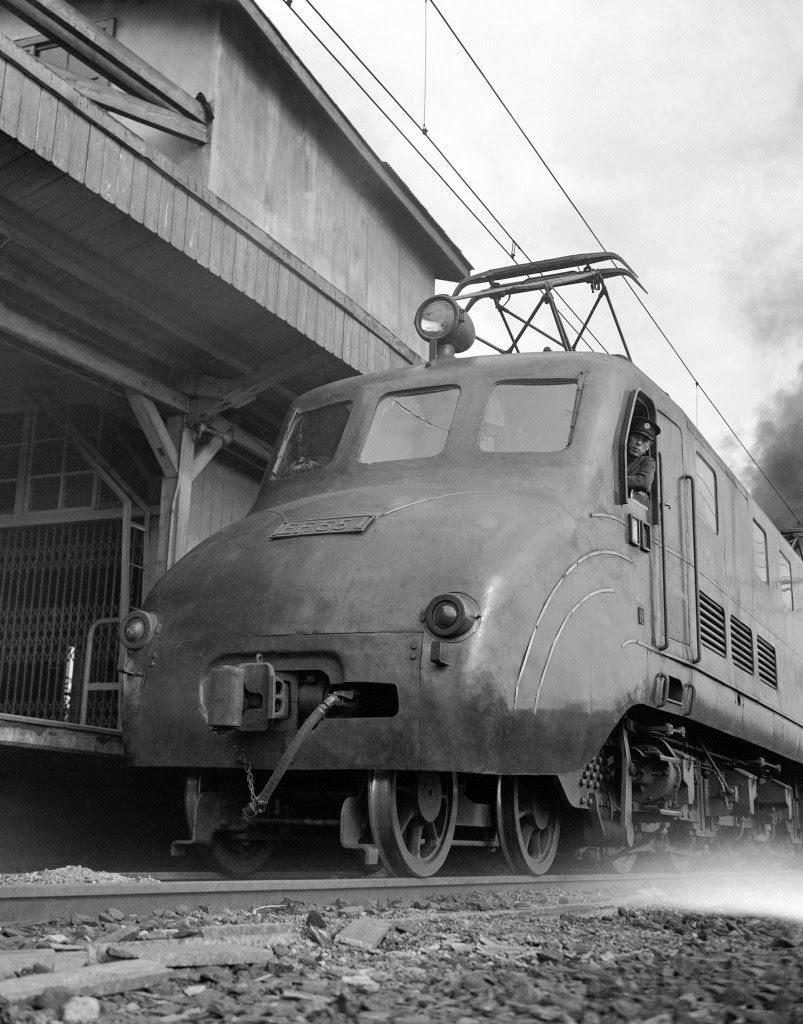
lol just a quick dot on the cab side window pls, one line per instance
(707, 494)
(639, 456)
(760, 563)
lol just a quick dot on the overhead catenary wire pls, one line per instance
(596, 237)
(426, 68)
(395, 100)
(514, 244)
(389, 119)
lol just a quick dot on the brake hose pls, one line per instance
(259, 804)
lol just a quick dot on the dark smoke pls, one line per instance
(772, 306)
(778, 449)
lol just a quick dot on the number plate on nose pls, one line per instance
(313, 527)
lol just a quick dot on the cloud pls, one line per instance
(773, 303)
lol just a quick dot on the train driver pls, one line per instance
(640, 463)
(307, 448)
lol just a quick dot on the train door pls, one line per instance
(671, 561)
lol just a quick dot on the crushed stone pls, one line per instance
(466, 959)
(72, 875)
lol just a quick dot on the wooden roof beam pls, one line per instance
(54, 345)
(74, 259)
(158, 437)
(60, 21)
(111, 477)
(155, 431)
(267, 377)
(140, 110)
(44, 338)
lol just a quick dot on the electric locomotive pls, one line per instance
(448, 621)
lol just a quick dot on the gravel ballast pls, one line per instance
(532, 955)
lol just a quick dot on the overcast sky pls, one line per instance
(676, 129)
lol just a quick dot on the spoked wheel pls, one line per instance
(239, 855)
(413, 817)
(528, 821)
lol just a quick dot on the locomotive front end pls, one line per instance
(381, 635)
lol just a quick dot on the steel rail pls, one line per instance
(29, 903)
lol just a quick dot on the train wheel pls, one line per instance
(528, 822)
(239, 856)
(413, 817)
(235, 854)
(622, 861)
(192, 790)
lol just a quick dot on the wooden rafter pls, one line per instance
(140, 110)
(158, 437)
(73, 258)
(110, 475)
(59, 21)
(56, 344)
(266, 377)
(155, 431)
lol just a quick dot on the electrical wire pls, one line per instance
(389, 119)
(596, 237)
(514, 244)
(426, 68)
(420, 127)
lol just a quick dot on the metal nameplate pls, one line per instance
(316, 527)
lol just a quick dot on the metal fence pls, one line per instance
(60, 590)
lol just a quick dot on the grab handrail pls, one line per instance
(87, 685)
(662, 646)
(698, 650)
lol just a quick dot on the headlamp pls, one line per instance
(450, 615)
(137, 629)
(445, 325)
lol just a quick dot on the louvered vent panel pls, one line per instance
(712, 625)
(742, 646)
(767, 664)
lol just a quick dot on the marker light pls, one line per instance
(441, 321)
(445, 614)
(450, 615)
(137, 629)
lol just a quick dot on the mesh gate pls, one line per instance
(56, 581)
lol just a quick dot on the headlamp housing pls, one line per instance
(445, 325)
(138, 628)
(450, 615)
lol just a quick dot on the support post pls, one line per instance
(183, 497)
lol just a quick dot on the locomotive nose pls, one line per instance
(425, 623)
(359, 561)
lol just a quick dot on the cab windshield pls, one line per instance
(529, 416)
(312, 440)
(410, 425)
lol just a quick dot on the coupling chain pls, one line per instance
(249, 775)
